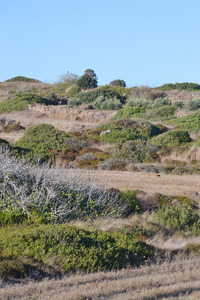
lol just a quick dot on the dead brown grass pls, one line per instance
(150, 183)
(158, 281)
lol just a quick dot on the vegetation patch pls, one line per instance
(69, 249)
(129, 112)
(190, 122)
(89, 97)
(123, 130)
(162, 113)
(187, 86)
(22, 79)
(139, 151)
(19, 101)
(172, 138)
(39, 141)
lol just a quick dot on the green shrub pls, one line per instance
(129, 112)
(22, 79)
(69, 249)
(125, 129)
(104, 103)
(139, 151)
(190, 122)
(158, 102)
(162, 113)
(118, 82)
(73, 91)
(192, 105)
(60, 89)
(19, 101)
(178, 217)
(180, 86)
(138, 102)
(172, 138)
(89, 97)
(130, 199)
(39, 141)
(179, 104)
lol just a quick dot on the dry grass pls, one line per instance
(158, 281)
(150, 183)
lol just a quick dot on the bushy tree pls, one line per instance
(88, 80)
(118, 82)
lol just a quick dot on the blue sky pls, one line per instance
(146, 42)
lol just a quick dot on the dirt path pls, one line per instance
(186, 185)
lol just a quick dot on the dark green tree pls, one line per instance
(88, 80)
(118, 82)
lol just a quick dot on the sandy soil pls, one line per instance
(187, 185)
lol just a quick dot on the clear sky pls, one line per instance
(144, 42)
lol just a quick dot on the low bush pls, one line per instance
(179, 104)
(138, 151)
(188, 86)
(172, 138)
(178, 217)
(104, 103)
(89, 97)
(162, 113)
(158, 102)
(69, 249)
(19, 101)
(22, 79)
(123, 130)
(129, 112)
(190, 122)
(193, 104)
(138, 102)
(39, 141)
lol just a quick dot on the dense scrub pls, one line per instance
(162, 113)
(40, 141)
(129, 112)
(19, 101)
(188, 86)
(108, 94)
(190, 122)
(68, 249)
(125, 129)
(172, 138)
(22, 79)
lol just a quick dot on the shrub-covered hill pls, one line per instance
(125, 129)
(42, 140)
(22, 79)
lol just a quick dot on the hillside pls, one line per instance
(103, 179)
